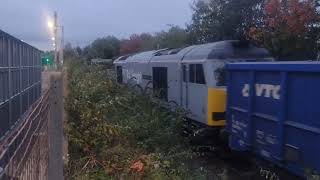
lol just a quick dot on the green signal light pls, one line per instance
(47, 60)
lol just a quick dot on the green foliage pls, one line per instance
(104, 48)
(111, 47)
(69, 51)
(216, 20)
(116, 134)
(288, 29)
(175, 37)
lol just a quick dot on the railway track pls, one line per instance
(220, 163)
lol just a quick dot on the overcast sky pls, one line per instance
(86, 20)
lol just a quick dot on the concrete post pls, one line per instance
(55, 128)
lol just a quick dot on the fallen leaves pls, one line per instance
(137, 166)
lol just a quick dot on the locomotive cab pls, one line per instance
(119, 63)
(204, 78)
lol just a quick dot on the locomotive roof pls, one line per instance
(172, 54)
(231, 49)
(143, 56)
(122, 58)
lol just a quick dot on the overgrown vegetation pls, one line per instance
(117, 134)
(289, 29)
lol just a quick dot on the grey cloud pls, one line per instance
(85, 20)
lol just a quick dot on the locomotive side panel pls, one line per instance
(173, 80)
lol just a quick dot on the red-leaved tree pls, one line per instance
(289, 29)
(137, 43)
(131, 45)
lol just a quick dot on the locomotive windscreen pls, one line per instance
(239, 50)
(220, 75)
(231, 49)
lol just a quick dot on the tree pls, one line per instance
(136, 43)
(78, 51)
(175, 37)
(68, 51)
(104, 48)
(131, 45)
(147, 42)
(216, 20)
(289, 29)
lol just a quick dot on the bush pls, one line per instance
(117, 134)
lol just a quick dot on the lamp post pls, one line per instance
(61, 46)
(58, 56)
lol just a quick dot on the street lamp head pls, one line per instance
(52, 38)
(50, 24)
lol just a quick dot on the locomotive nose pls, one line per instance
(217, 98)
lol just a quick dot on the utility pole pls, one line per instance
(61, 59)
(57, 43)
(55, 35)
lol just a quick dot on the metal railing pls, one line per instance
(20, 80)
(25, 151)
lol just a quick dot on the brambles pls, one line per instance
(117, 134)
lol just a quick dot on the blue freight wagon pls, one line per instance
(273, 111)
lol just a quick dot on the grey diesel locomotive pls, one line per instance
(192, 78)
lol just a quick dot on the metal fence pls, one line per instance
(20, 81)
(24, 153)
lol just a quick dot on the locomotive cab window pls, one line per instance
(196, 74)
(220, 76)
